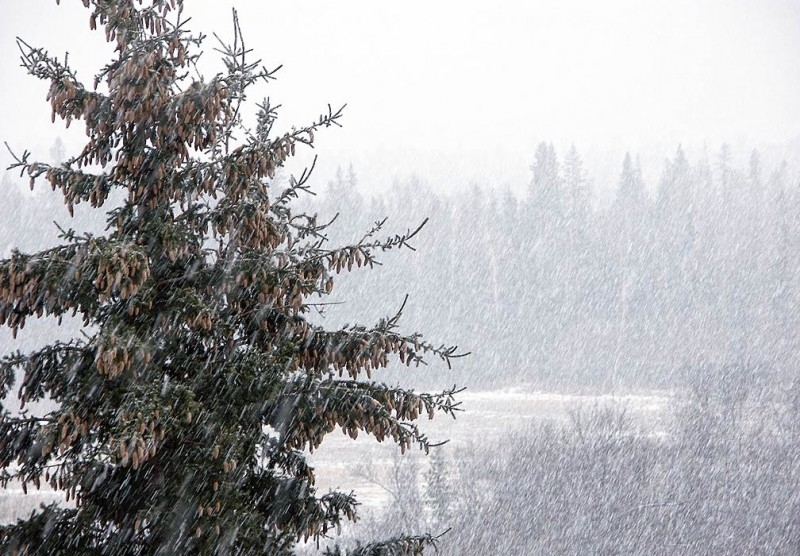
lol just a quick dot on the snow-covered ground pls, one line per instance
(14, 504)
(358, 465)
(347, 464)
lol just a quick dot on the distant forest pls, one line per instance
(701, 270)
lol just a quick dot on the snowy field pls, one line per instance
(357, 465)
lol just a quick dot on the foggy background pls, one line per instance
(547, 255)
(462, 91)
(614, 200)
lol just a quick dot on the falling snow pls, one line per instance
(208, 348)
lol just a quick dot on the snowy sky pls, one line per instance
(465, 90)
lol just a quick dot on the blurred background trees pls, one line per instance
(554, 289)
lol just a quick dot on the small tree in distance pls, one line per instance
(183, 410)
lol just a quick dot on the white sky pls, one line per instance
(463, 91)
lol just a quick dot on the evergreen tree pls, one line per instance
(546, 195)
(630, 192)
(473, 268)
(575, 265)
(545, 293)
(439, 494)
(344, 202)
(182, 411)
(781, 262)
(628, 237)
(676, 232)
(629, 213)
(57, 151)
(578, 195)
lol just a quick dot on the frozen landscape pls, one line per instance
(481, 280)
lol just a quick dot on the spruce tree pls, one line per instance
(183, 409)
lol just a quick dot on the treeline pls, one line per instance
(549, 289)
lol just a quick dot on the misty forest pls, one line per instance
(197, 328)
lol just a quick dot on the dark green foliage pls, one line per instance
(397, 546)
(183, 410)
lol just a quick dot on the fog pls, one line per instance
(459, 91)
(611, 194)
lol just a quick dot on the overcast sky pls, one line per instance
(465, 90)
